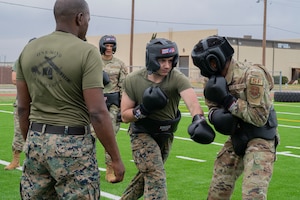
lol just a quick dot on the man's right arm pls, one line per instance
(102, 125)
(13, 77)
(23, 106)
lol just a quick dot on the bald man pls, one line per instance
(60, 94)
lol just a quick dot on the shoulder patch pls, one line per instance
(254, 92)
(256, 81)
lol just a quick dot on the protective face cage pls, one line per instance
(160, 48)
(107, 39)
(214, 49)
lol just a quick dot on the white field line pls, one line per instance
(288, 153)
(287, 113)
(4, 111)
(292, 147)
(192, 159)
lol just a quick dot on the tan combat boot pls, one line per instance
(110, 175)
(15, 161)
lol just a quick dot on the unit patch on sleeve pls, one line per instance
(254, 92)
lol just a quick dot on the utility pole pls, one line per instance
(264, 40)
(131, 36)
(264, 34)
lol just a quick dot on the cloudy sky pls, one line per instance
(22, 20)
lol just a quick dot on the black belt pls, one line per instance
(39, 127)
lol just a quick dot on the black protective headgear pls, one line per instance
(107, 39)
(212, 48)
(160, 48)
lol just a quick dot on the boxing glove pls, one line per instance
(200, 131)
(106, 79)
(223, 121)
(216, 90)
(153, 99)
(119, 117)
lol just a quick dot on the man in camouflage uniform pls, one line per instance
(18, 140)
(116, 71)
(240, 105)
(60, 93)
(150, 103)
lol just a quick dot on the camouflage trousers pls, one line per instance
(18, 140)
(256, 164)
(59, 166)
(149, 157)
(113, 112)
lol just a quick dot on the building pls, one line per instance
(282, 57)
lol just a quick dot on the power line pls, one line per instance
(274, 27)
(162, 22)
(22, 5)
(140, 20)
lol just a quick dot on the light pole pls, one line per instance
(264, 42)
(264, 34)
(131, 35)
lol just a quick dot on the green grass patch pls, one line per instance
(186, 179)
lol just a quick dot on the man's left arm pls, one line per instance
(256, 108)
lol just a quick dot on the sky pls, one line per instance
(23, 20)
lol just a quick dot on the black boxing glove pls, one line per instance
(216, 90)
(200, 131)
(119, 117)
(153, 99)
(223, 121)
(106, 79)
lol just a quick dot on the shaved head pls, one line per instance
(72, 16)
(67, 9)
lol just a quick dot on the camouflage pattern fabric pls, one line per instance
(117, 73)
(18, 140)
(149, 159)
(64, 162)
(251, 85)
(257, 166)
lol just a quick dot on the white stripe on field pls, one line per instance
(292, 147)
(4, 111)
(286, 126)
(103, 194)
(288, 153)
(192, 159)
(287, 113)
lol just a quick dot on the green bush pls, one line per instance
(284, 79)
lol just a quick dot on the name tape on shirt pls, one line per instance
(256, 81)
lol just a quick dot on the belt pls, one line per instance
(45, 128)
